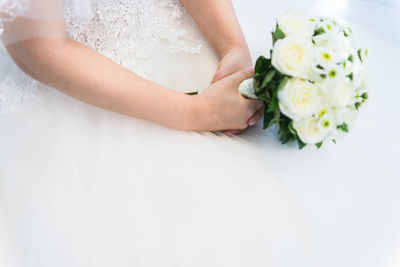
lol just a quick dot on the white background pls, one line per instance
(350, 191)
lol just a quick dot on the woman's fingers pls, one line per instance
(256, 104)
(219, 75)
(242, 75)
(233, 132)
(256, 117)
(253, 106)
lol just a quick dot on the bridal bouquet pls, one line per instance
(314, 82)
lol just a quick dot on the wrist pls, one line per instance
(195, 113)
(239, 48)
(190, 112)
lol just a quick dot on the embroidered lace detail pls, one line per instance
(129, 30)
(15, 89)
(10, 9)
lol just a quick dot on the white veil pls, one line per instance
(26, 19)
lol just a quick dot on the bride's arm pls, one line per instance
(217, 20)
(88, 76)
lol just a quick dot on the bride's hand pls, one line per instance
(221, 106)
(233, 61)
(236, 59)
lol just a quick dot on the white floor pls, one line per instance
(350, 191)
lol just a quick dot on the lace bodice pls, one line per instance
(121, 29)
(126, 31)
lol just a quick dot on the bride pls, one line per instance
(105, 161)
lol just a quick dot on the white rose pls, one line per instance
(293, 56)
(339, 94)
(309, 130)
(299, 99)
(296, 24)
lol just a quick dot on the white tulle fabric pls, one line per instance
(81, 186)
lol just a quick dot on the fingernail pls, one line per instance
(251, 69)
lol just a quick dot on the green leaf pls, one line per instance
(343, 127)
(268, 118)
(359, 54)
(263, 98)
(350, 58)
(262, 65)
(268, 78)
(277, 116)
(319, 31)
(286, 135)
(274, 105)
(350, 76)
(256, 86)
(319, 145)
(334, 141)
(300, 143)
(272, 122)
(292, 129)
(277, 34)
(283, 83)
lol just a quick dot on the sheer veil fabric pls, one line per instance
(81, 186)
(23, 19)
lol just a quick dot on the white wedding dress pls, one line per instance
(81, 186)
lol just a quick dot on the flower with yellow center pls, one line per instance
(326, 123)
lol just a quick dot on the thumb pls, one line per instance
(242, 75)
(219, 75)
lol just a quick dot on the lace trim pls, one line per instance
(15, 89)
(10, 9)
